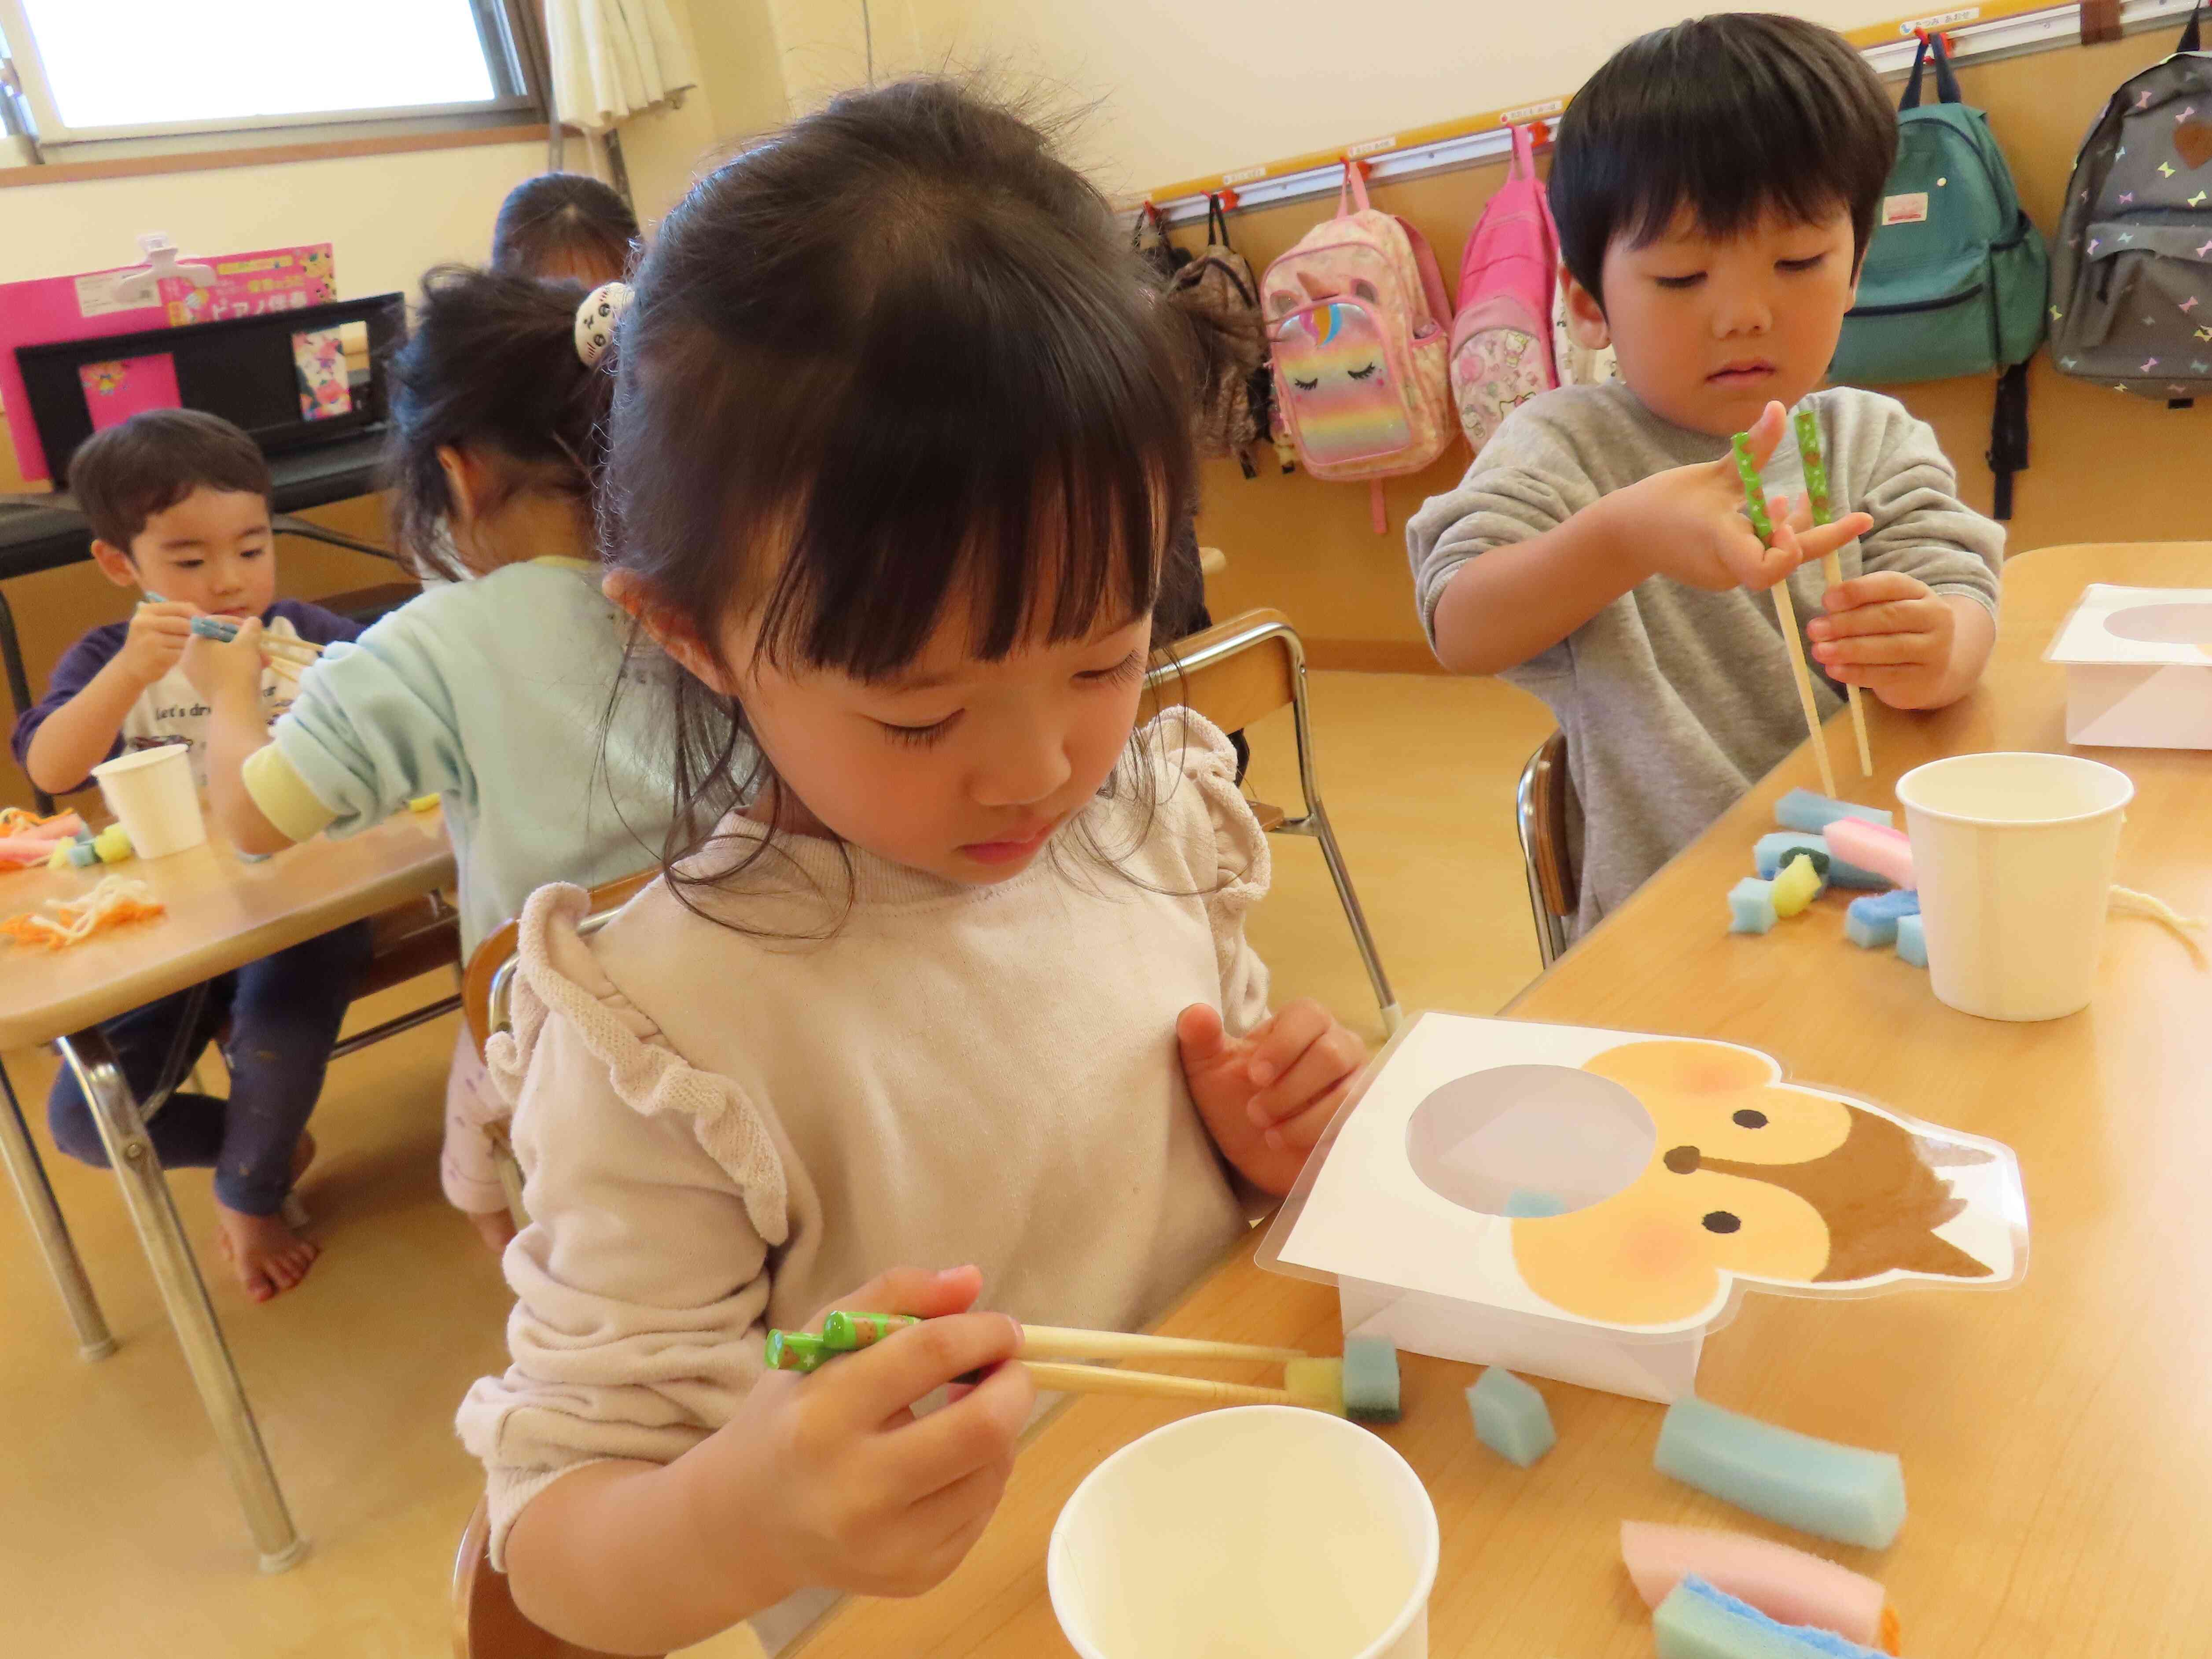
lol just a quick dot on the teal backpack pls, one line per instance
(1957, 278)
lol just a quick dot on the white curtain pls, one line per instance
(613, 58)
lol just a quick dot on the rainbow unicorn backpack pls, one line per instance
(1358, 327)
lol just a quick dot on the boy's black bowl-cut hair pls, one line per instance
(1727, 118)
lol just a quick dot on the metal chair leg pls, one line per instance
(1317, 818)
(20, 1152)
(1316, 824)
(184, 1294)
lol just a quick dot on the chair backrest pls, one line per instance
(1233, 672)
(1554, 886)
(496, 950)
(487, 1625)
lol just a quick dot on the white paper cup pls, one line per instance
(150, 792)
(2013, 854)
(1261, 1532)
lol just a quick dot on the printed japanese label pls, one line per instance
(1947, 20)
(1910, 209)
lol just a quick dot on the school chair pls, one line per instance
(1540, 807)
(487, 1625)
(1233, 673)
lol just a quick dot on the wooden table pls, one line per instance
(222, 914)
(2056, 1438)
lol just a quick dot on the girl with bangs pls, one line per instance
(947, 964)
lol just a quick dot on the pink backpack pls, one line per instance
(1501, 341)
(1356, 327)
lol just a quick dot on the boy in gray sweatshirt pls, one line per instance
(1716, 185)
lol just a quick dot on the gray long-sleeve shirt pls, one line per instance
(1675, 700)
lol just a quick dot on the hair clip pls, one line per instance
(596, 318)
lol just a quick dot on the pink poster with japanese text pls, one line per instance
(53, 308)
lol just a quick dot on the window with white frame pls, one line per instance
(101, 71)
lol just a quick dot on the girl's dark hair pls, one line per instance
(490, 366)
(566, 225)
(1727, 116)
(897, 359)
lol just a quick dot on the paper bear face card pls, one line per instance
(1635, 1184)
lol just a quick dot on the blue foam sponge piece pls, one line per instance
(1526, 1204)
(1511, 1418)
(1843, 1492)
(1751, 906)
(1779, 845)
(1872, 920)
(1697, 1621)
(1801, 809)
(1912, 940)
(1370, 1379)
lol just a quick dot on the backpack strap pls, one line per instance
(1217, 221)
(2007, 452)
(2190, 36)
(1353, 190)
(1523, 164)
(1947, 84)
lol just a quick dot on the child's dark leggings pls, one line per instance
(284, 1012)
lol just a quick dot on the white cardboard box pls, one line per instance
(2138, 667)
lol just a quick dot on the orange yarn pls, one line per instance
(116, 903)
(1892, 1634)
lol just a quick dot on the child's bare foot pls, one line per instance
(268, 1257)
(494, 1227)
(263, 1250)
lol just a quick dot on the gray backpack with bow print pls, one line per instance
(2132, 276)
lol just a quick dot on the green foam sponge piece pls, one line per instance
(1843, 1492)
(1370, 1379)
(1796, 886)
(1697, 1621)
(1511, 1418)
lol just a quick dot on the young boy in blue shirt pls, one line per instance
(178, 504)
(1716, 185)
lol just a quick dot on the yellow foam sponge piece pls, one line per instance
(1795, 885)
(111, 844)
(1316, 1383)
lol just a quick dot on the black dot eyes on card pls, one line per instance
(1748, 1119)
(1720, 1221)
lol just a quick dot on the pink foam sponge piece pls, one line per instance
(1875, 847)
(1785, 1585)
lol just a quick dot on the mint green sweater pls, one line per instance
(494, 694)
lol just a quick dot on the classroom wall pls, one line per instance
(1185, 89)
(2106, 466)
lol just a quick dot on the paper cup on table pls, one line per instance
(2013, 854)
(150, 792)
(1261, 1532)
